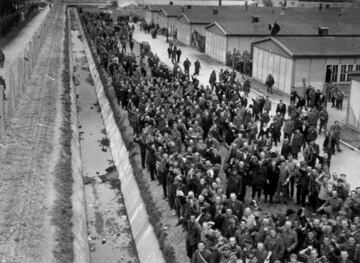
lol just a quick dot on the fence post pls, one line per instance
(2, 112)
(12, 87)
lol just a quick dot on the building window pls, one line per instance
(349, 69)
(343, 73)
(344, 69)
(357, 67)
(334, 72)
(331, 74)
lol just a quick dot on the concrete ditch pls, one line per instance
(109, 232)
(145, 239)
(80, 243)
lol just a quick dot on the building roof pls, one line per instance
(204, 14)
(154, 8)
(171, 10)
(320, 46)
(292, 21)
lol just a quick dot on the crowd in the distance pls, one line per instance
(215, 153)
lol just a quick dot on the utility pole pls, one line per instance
(2, 112)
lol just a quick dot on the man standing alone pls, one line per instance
(187, 65)
(178, 55)
(269, 83)
(197, 67)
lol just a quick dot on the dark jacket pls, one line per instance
(286, 150)
(258, 176)
(272, 178)
(296, 142)
(281, 109)
(151, 157)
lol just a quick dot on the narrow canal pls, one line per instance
(109, 233)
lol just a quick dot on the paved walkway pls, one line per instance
(344, 162)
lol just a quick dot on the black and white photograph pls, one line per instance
(179, 131)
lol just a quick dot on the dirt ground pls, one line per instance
(28, 155)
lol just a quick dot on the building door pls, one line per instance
(171, 30)
(328, 74)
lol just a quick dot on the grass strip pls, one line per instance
(151, 206)
(62, 211)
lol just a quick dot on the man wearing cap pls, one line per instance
(202, 254)
(275, 245)
(235, 250)
(197, 67)
(290, 238)
(343, 193)
(151, 158)
(272, 178)
(187, 65)
(244, 155)
(296, 142)
(346, 184)
(242, 235)
(269, 83)
(260, 254)
(336, 128)
(343, 232)
(281, 108)
(333, 204)
(310, 255)
(234, 181)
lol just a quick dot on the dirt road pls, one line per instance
(28, 156)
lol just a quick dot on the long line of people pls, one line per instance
(209, 147)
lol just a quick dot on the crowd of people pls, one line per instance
(153, 29)
(215, 154)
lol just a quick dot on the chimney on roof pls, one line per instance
(215, 12)
(323, 31)
(189, 7)
(339, 14)
(255, 19)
